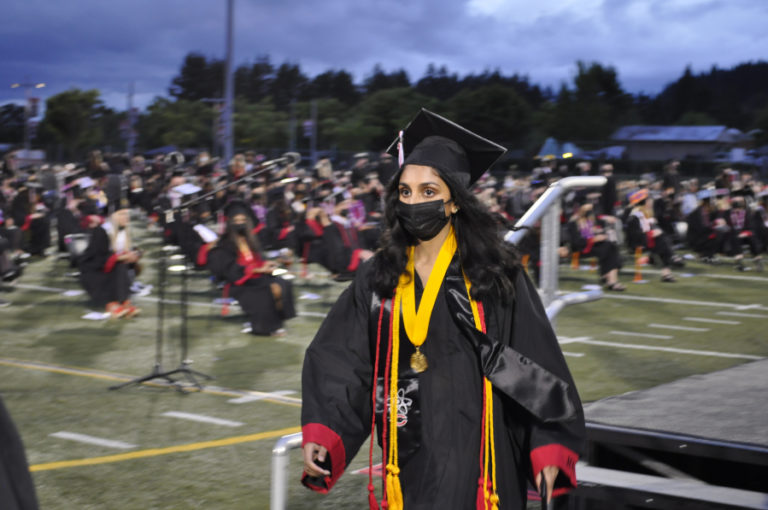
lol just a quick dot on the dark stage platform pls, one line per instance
(700, 442)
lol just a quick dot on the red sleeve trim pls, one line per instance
(248, 272)
(322, 435)
(555, 455)
(258, 228)
(354, 261)
(111, 261)
(202, 255)
(316, 227)
(27, 223)
(283, 233)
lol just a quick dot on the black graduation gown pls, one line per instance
(17, 490)
(254, 293)
(439, 443)
(104, 278)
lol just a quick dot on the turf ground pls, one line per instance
(56, 368)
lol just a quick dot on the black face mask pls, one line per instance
(240, 228)
(423, 221)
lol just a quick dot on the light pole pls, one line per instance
(229, 87)
(217, 122)
(27, 87)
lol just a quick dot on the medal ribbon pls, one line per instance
(417, 323)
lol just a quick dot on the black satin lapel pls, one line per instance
(532, 386)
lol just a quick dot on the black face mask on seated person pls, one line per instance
(423, 221)
(240, 228)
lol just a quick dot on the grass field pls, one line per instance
(56, 368)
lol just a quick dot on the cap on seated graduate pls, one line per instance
(239, 206)
(432, 140)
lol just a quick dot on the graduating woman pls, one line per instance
(237, 260)
(441, 341)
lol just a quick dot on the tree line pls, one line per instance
(273, 101)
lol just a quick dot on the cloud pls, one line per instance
(109, 45)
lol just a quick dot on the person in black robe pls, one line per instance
(743, 232)
(588, 236)
(17, 490)
(267, 300)
(109, 264)
(643, 232)
(704, 236)
(489, 360)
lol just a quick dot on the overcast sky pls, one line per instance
(109, 44)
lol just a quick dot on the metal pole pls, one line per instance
(279, 486)
(26, 121)
(550, 242)
(313, 139)
(229, 87)
(131, 141)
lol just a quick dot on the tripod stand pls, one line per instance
(183, 368)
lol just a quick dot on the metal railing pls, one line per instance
(280, 457)
(547, 209)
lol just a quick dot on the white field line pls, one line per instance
(704, 275)
(98, 441)
(643, 335)
(573, 354)
(569, 340)
(261, 396)
(711, 321)
(670, 349)
(748, 315)
(717, 304)
(202, 419)
(680, 328)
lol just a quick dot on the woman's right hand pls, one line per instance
(314, 452)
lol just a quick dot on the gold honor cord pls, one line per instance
(417, 323)
(490, 498)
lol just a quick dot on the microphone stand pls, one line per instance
(183, 368)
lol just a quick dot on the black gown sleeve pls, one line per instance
(560, 442)
(98, 255)
(222, 262)
(336, 383)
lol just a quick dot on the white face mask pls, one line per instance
(203, 160)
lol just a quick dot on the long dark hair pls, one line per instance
(489, 262)
(230, 236)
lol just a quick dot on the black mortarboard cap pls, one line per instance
(435, 141)
(239, 206)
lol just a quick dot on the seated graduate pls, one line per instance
(643, 232)
(442, 345)
(706, 228)
(589, 237)
(743, 232)
(110, 263)
(237, 259)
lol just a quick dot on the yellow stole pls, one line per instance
(416, 326)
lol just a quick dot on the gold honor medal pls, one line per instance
(418, 361)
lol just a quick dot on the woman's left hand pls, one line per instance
(550, 472)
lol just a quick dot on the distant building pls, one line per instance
(662, 143)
